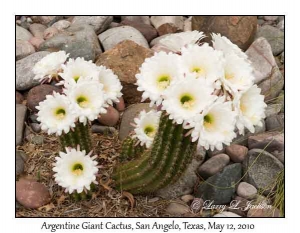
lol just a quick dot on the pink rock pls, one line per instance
(32, 194)
(158, 48)
(121, 105)
(50, 32)
(110, 118)
(36, 42)
(37, 29)
(237, 153)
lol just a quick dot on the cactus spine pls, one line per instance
(163, 164)
(80, 136)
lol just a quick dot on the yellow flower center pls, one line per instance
(76, 77)
(197, 69)
(229, 75)
(77, 169)
(149, 131)
(243, 107)
(60, 113)
(187, 101)
(163, 81)
(82, 101)
(208, 121)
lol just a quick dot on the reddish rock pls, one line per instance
(239, 29)
(147, 30)
(167, 28)
(36, 42)
(237, 153)
(32, 194)
(38, 94)
(19, 98)
(125, 60)
(120, 106)
(110, 118)
(269, 141)
(50, 32)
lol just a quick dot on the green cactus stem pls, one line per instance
(131, 149)
(84, 195)
(162, 164)
(79, 136)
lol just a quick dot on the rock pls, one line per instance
(227, 214)
(168, 28)
(262, 59)
(32, 194)
(279, 155)
(46, 20)
(261, 169)
(20, 119)
(35, 127)
(113, 25)
(22, 33)
(228, 178)
(264, 213)
(274, 36)
(186, 182)
(260, 22)
(270, 18)
(110, 38)
(61, 25)
(156, 40)
(128, 117)
(282, 58)
(273, 109)
(280, 25)
(175, 208)
(37, 30)
(50, 32)
(19, 98)
(213, 165)
(238, 206)
(154, 199)
(243, 139)
(148, 31)
(120, 106)
(33, 118)
(100, 129)
(187, 198)
(275, 122)
(269, 141)
(38, 94)
(24, 74)
(187, 24)
(77, 40)
(23, 49)
(158, 48)
(246, 190)
(36, 42)
(20, 159)
(196, 205)
(239, 29)
(237, 153)
(125, 60)
(211, 153)
(35, 139)
(137, 19)
(176, 21)
(280, 100)
(110, 118)
(99, 23)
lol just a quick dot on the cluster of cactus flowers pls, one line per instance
(204, 96)
(86, 93)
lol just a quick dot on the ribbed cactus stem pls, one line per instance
(162, 164)
(80, 135)
(130, 149)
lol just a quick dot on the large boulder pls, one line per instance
(125, 60)
(239, 29)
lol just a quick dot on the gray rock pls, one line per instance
(274, 36)
(100, 129)
(22, 33)
(20, 119)
(99, 23)
(186, 182)
(280, 25)
(213, 165)
(35, 127)
(79, 40)
(280, 100)
(279, 155)
(273, 109)
(227, 214)
(271, 18)
(24, 74)
(227, 179)
(37, 30)
(137, 18)
(35, 139)
(177, 208)
(23, 49)
(20, 159)
(272, 86)
(113, 36)
(61, 24)
(237, 153)
(261, 169)
(269, 141)
(275, 122)
(33, 118)
(158, 21)
(262, 59)
(246, 190)
(46, 20)
(129, 114)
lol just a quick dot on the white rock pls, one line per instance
(246, 190)
(261, 56)
(157, 21)
(187, 24)
(62, 24)
(113, 36)
(99, 23)
(22, 33)
(138, 19)
(177, 208)
(226, 214)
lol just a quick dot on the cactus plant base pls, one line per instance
(162, 164)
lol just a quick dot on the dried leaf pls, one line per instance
(61, 199)
(105, 185)
(130, 197)
(47, 207)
